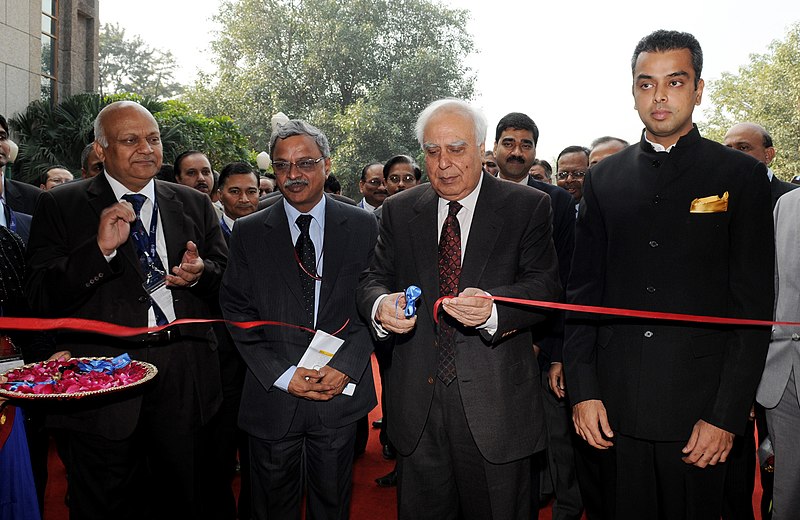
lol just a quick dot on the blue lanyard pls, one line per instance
(148, 244)
(224, 225)
(12, 224)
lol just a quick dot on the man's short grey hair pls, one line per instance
(299, 127)
(453, 105)
(608, 139)
(99, 129)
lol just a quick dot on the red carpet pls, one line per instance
(369, 501)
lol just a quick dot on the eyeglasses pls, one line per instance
(395, 179)
(375, 182)
(575, 175)
(490, 164)
(304, 165)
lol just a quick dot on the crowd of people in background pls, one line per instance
(490, 409)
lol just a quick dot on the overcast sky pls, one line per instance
(564, 63)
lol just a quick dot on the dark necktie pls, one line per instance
(144, 244)
(449, 272)
(306, 266)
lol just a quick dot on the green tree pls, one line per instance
(57, 135)
(360, 70)
(765, 91)
(129, 65)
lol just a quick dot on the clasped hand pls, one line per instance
(317, 385)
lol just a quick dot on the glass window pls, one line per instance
(49, 6)
(49, 81)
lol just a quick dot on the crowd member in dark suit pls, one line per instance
(755, 141)
(301, 427)
(19, 196)
(91, 165)
(238, 194)
(676, 224)
(516, 137)
(541, 171)
(604, 146)
(464, 397)
(93, 254)
(372, 186)
(400, 172)
(571, 167)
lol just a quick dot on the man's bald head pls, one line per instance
(111, 109)
(752, 139)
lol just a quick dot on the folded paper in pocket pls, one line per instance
(712, 204)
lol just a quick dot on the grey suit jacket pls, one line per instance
(262, 240)
(784, 349)
(509, 253)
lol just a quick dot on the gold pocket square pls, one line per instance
(712, 204)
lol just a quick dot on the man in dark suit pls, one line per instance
(103, 249)
(464, 396)
(755, 141)
(516, 137)
(238, 195)
(676, 224)
(17, 199)
(301, 420)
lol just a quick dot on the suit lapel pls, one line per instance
(334, 248)
(279, 246)
(485, 229)
(172, 218)
(425, 248)
(102, 196)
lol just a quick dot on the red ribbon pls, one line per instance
(615, 311)
(112, 329)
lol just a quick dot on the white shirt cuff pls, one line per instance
(379, 331)
(490, 325)
(283, 382)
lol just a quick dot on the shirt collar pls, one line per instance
(470, 201)
(119, 190)
(317, 212)
(228, 221)
(658, 147)
(523, 181)
(770, 173)
(366, 205)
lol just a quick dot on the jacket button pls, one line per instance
(648, 334)
(651, 289)
(653, 243)
(656, 163)
(795, 337)
(430, 380)
(142, 299)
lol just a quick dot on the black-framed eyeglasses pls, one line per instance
(575, 175)
(304, 165)
(395, 179)
(490, 164)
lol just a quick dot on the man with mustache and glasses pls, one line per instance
(571, 167)
(372, 186)
(301, 420)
